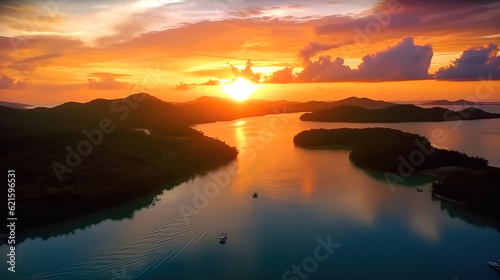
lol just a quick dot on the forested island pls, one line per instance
(396, 113)
(76, 159)
(476, 189)
(400, 154)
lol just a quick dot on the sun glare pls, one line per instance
(240, 89)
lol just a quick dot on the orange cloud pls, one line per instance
(183, 86)
(107, 81)
(7, 82)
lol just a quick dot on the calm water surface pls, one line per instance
(304, 196)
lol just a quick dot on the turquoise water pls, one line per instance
(306, 198)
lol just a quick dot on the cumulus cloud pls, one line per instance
(403, 61)
(107, 81)
(246, 73)
(182, 86)
(7, 82)
(282, 76)
(474, 62)
(211, 82)
(326, 70)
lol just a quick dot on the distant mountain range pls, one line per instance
(396, 113)
(150, 112)
(211, 109)
(462, 102)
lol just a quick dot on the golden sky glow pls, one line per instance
(56, 51)
(240, 89)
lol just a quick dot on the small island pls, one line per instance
(396, 113)
(461, 178)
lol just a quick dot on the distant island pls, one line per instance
(14, 105)
(382, 149)
(460, 102)
(445, 102)
(463, 179)
(76, 159)
(396, 113)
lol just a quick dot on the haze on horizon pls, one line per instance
(56, 51)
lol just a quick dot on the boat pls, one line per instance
(223, 238)
(495, 265)
(448, 199)
(255, 195)
(419, 189)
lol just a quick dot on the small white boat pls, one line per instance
(419, 189)
(223, 238)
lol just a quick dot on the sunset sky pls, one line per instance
(56, 51)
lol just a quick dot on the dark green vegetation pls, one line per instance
(397, 113)
(401, 154)
(75, 159)
(477, 189)
(384, 149)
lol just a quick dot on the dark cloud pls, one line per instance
(314, 48)
(403, 61)
(107, 81)
(468, 21)
(472, 64)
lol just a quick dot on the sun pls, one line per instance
(240, 89)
